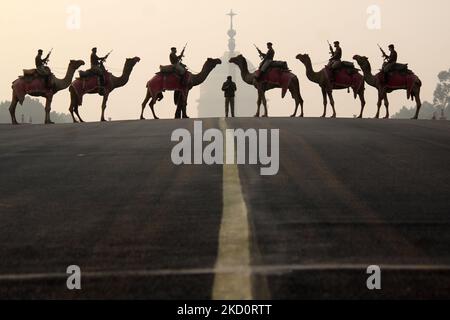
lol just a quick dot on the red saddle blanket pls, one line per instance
(279, 77)
(33, 86)
(169, 81)
(90, 85)
(345, 77)
(398, 80)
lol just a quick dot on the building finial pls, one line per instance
(231, 32)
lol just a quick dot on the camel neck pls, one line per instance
(245, 74)
(123, 79)
(368, 76)
(64, 83)
(310, 73)
(199, 78)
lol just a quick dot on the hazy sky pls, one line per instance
(149, 28)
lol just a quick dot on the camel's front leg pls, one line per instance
(325, 102)
(386, 104)
(380, 100)
(184, 105)
(264, 101)
(144, 104)
(105, 100)
(12, 110)
(418, 104)
(71, 110)
(363, 103)
(330, 95)
(152, 107)
(258, 103)
(48, 106)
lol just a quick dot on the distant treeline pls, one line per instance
(32, 111)
(441, 102)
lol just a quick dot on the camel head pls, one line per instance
(212, 63)
(304, 58)
(132, 61)
(75, 64)
(362, 61)
(238, 60)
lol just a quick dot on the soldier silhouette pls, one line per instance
(41, 67)
(229, 88)
(98, 67)
(267, 58)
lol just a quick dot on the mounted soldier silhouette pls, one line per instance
(41, 82)
(175, 77)
(271, 74)
(97, 80)
(336, 75)
(393, 76)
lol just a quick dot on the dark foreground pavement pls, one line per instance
(106, 197)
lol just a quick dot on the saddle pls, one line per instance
(167, 69)
(400, 67)
(30, 73)
(86, 74)
(280, 65)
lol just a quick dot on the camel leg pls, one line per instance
(184, 105)
(12, 109)
(105, 100)
(71, 109)
(330, 95)
(264, 101)
(48, 105)
(386, 104)
(144, 104)
(301, 102)
(177, 98)
(296, 95)
(363, 103)
(258, 103)
(419, 104)
(325, 102)
(380, 99)
(152, 107)
(77, 113)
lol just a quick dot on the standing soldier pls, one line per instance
(267, 58)
(229, 88)
(97, 66)
(42, 68)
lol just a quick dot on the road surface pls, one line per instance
(106, 197)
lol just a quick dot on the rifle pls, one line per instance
(182, 52)
(106, 57)
(261, 55)
(382, 51)
(47, 58)
(331, 48)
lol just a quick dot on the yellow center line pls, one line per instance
(234, 240)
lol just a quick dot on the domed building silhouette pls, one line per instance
(212, 102)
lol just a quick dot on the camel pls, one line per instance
(343, 80)
(172, 82)
(36, 87)
(274, 78)
(397, 81)
(90, 85)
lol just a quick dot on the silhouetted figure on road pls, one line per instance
(229, 88)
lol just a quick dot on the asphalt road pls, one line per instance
(106, 197)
